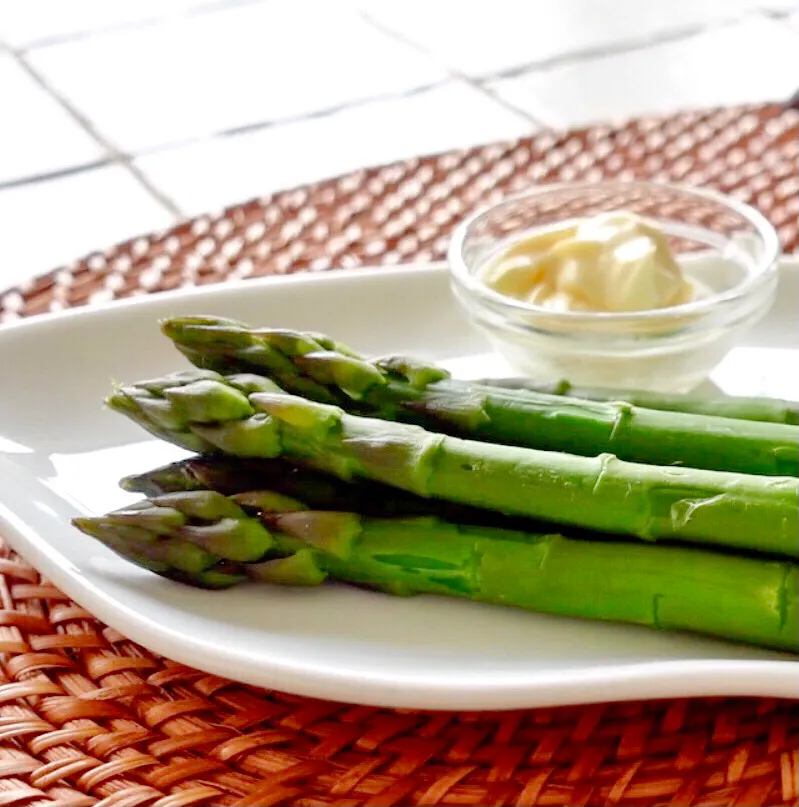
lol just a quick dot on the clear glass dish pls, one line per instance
(725, 245)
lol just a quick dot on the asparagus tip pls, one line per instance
(175, 324)
(354, 375)
(87, 525)
(296, 411)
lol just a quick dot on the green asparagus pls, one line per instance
(212, 541)
(765, 410)
(412, 391)
(605, 494)
(232, 475)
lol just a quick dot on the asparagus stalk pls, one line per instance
(412, 391)
(231, 475)
(765, 410)
(601, 493)
(209, 540)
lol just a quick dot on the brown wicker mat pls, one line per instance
(89, 718)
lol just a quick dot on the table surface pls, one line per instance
(124, 117)
(129, 116)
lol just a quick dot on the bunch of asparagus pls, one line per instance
(313, 462)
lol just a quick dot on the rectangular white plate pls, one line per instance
(61, 454)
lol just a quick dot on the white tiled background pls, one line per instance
(121, 116)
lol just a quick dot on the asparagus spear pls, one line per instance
(231, 475)
(765, 410)
(594, 493)
(408, 390)
(206, 539)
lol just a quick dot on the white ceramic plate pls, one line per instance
(61, 454)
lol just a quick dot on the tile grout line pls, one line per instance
(621, 48)
(124, 158)
(330, 111)
(489, 92)
(16, 182)
(116, 157)
(453, 72)
(211, 7)
(481, 82)
(576, 58)
(572, 57)
(57, 173)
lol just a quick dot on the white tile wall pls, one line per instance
(755, 60)
(480, 38)
(36, 134)
(245, 64)
(26, 22)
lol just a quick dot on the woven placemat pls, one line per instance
(89, 718)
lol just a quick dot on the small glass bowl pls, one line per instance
(726, 246)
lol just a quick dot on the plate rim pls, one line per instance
(224, 288)
(627, 681)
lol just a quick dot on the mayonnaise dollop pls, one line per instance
(612, 262)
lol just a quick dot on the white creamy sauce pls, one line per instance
(612, 262)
